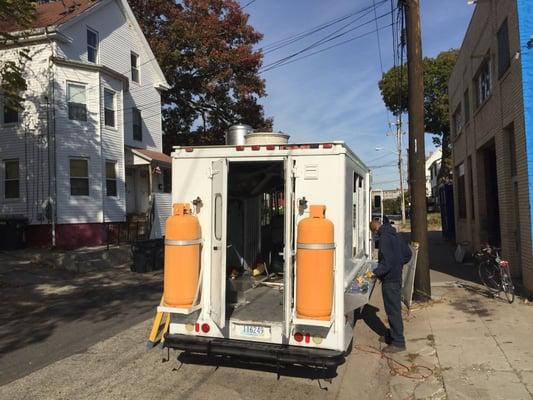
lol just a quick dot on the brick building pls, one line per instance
(491, 114)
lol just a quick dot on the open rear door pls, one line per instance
(219, 186)
(288, 252)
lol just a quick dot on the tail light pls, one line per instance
(205, 328)
(307, 338)
(197, 327)
(298, 337)
(504, 264)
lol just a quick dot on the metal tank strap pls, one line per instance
(316, 246)
(169, 242)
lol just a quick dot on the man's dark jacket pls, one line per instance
(393, 254)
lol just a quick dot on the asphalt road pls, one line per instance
(47, 315)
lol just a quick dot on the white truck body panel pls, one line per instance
(329, 174)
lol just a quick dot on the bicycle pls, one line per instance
(494, 272)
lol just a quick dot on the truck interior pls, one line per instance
(255, 241)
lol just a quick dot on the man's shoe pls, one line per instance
(393, 349)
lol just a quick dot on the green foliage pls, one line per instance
(437, 72)
(20, 14)
(205, 48)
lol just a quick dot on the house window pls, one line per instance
(111, 178)
(10, 112)
(92, 45)
(137, 125)
(167, 180)
(135, 73)
(467, 105)
(77, 102)
(457, 120)
(504, 52)
(109, 107)
(461, 195)
(11, 179)
(79, 177)
(483, 83)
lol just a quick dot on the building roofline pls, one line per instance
(92, 67)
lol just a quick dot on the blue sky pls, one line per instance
(334, 95)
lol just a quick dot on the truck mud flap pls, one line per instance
(267, 352)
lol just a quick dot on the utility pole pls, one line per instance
(400, 167)
(417, 152)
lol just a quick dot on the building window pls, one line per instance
(467, 105)
(109, 107)
(457, 120)
(10, 112)
(77, 102)
(461, 195)
(135, 73)
(79, 177)
(167, 180)
(111, 178)
(11, 179)
(483, 83)
(504, 52)
(137, 125)
(92, 45)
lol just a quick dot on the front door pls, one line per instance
(219, 185)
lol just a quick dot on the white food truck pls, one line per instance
(249, 196)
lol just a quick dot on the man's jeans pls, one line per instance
(392, 299)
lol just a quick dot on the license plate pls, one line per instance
(253, 331)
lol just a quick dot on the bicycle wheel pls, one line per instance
(489, 275)
(507, 285)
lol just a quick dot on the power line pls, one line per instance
(302, 35)
(318, 43)
(247, 4)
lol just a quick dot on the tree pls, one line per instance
(205, 48)
(437, 71)
(19, 13)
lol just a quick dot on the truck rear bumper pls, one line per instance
(267, 352)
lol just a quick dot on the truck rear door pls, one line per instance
(288, 252)
(219, 186)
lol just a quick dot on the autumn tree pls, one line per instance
(18, 13)
(206, 51)
(437, 71)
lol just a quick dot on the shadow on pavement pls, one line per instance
(48, 314)
(369, 315)
(295, 371)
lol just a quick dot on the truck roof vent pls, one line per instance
(267, 138)
(236, 134)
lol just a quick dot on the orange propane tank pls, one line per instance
(182, 257)
(314, 260)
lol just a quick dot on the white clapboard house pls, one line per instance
(86, 149)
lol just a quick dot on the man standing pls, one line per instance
(393, 254)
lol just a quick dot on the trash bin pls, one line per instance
(13, 233)
(147, 255)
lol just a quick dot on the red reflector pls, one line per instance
(327, 146)
(188, 149)
(293, 147)
(197, 327)
(504, 264)
(305, 146)
(255, 147)
(283, 147)
(239, 148)
(298, 337)
(271, 147)
(205, 328)
(307, 338)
